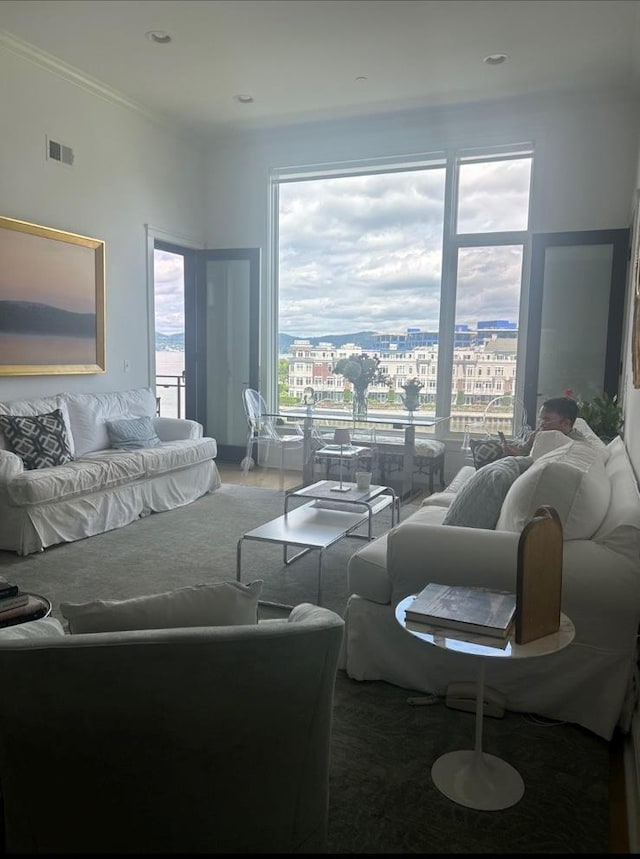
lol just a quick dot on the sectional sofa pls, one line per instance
(95, 487)
(593, 682)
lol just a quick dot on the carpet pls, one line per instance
(382, 799)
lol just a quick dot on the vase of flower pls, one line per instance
(360, 404)
(411, 398)
(361, 370)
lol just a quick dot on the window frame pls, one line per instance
(452, 241)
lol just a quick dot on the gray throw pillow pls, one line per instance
(214, 604)
(478, 503)
(132, 433)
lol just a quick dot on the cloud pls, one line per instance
(365, 252)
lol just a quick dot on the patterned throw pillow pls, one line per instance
(39, 440)
(485, 450)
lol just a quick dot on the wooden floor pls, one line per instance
(268, 478)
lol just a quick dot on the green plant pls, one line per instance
(603, 414)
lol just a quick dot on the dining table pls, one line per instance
(312, 416)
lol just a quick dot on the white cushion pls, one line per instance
(217, 604)
(572, 480)
(620, 529)
(591, 438)
(43, 628)
(88, 414)
(548, 440)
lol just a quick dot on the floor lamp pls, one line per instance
(341, 436)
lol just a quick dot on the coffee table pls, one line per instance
(472, 777)
(314, 525)
(372, 500)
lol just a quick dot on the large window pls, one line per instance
(420, 264)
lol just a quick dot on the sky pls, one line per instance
(44, 270)
(364, 253)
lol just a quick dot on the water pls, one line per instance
(19, 349)
(169, 364)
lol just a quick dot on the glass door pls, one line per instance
(222, 334)
(576, 310)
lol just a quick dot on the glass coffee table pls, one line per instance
(372, 500)
(314, 525)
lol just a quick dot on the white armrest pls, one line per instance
(10, 465)
(172, 429)
(419, 553)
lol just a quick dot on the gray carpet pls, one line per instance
(382, 797)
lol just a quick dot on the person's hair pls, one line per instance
(563, 406)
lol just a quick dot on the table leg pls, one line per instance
(409, 451)
(474, 778)
(238, 558)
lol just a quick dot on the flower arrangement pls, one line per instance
(412, 387)
(361, 370)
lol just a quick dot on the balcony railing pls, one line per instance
(170, 395)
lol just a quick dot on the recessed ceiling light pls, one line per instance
(496, 59)
(158, 36)
(243, 98)
(362, 78)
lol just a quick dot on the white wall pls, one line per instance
(128, 172)
(631, 394)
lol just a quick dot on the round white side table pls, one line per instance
(471, 777)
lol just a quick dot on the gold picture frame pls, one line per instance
(52, 301)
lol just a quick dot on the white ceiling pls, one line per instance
(300, 59)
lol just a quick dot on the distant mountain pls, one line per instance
(32, 317)
(170, 342)
(362, 339)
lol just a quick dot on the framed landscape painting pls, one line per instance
(52, 311)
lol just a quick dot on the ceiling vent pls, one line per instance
(59, 152)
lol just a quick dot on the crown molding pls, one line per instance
(73, 75)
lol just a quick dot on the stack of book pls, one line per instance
(14, 603)
(471, 611)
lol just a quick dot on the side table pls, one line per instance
(37, 607)
(472, 777)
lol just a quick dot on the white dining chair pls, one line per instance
(262, 427)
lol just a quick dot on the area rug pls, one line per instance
(382, 799)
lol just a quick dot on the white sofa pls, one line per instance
(593, 681)
(100, 488)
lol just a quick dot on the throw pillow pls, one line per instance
(485, 450)
(478, 503)
(39, 440)
(572, 480)
(132, 433)
(218, 604)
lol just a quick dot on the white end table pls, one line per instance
(472, 777)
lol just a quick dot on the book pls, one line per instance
(475, 610)
(7, 589)
(14, 601)
(33, 609)
(440, 633)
